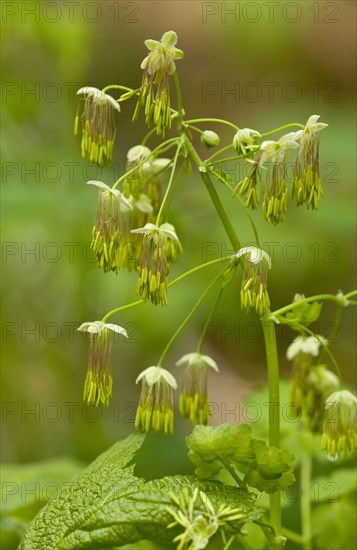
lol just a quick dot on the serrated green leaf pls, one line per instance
(80, 515)
(25, 489)
(108, 507)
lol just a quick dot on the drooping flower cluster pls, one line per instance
(159, 248)
(99, 381)
(193, 398)
(311, 383)
(144, 179)
(254, 294)
(275, 202)
(155, 408)
(245, 141)
(306, 188)
(109, 236)
(98, 125)
(155, 89)
(340, 424)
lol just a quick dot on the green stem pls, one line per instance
(188, 318)
(350, 294)
(148, 136)
(198, 130)
(274, 407)
(218, 120)
(117, 87)
(219, 152)
(197, 268)
(246, 210)
(209, 318)
(179, 101)
(228, 544)
(177, 280)
(305, 505)
(291, 125)
(291, 535)
(316, 298)
(243, 542)
(214, 197)
(168, 188)
(274, 541)
(121, 308)
(230, 159)
(234, 475)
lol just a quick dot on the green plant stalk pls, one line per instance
(305, 505)
(274, 408)
(164, 200)
(214, 197)
(269, 336)
(317, 298)
(199, 164)
(188, 318)
(209, 318)
(178, 279)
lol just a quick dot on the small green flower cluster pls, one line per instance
(306, 188)
(154, 94)
(316, 389)
(98, 126)
(254, 294)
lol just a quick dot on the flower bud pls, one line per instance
(210, 139)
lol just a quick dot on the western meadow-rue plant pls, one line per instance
(135, 229)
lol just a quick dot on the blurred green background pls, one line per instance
(283, 64)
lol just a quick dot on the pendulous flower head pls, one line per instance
(160, 246)
(158, 65)
(309, 345)
(110, 233)
(254, 294)
(193, 398)
(245, 141)
(340, 424)
(275, 202)
(307, 188)
(99, 381)
(249, 189)
(146, 178)
(98, 126)
(155, 408)
(319, 384)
